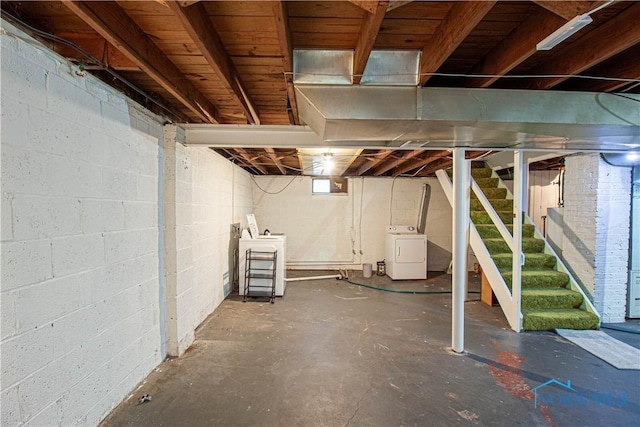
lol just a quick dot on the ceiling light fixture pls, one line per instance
(328, 162)
(569, 29)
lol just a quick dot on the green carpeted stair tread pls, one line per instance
(529, 245)
(487, 182)
(498, 205)
(492, 193)
(539, 279)
(478, 217)
(550, 298)
(546, 320)
(491, 231)
(476, 173)
(531, 261)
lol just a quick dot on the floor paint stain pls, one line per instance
(512, 380)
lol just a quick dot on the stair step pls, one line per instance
(492, 193)
(530, 245)
(531, 261)
(546, 320)
(539, 279)
(487, 182)
(483, 218)
(491, 231)
(480, 164)
(498, 205)
(479, 172)
(550, 298)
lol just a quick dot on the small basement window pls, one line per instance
(329, 186)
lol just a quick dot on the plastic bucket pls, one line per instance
(366, 270)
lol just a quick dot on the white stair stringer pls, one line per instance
(498, 285)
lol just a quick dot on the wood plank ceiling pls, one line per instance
(230, 62)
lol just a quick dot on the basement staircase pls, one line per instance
(550, 297)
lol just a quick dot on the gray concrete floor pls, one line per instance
(333, 354)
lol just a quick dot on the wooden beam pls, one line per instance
(96, 46)
(113, 23)
(442, 163)
(373, 161)
(197, 24)
(514, 49)
(353, 159)
(247, 158)
(416, 163)
(461, 19)
(368, 5)
(609, 39)
(395, 162)
(368, 34)
(187, 3)
(281, 16)
(394, 4)
(626, 67)
(272, 155)
(568, 9)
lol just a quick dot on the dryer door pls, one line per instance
(410, 249)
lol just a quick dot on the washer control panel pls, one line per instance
(402, 229)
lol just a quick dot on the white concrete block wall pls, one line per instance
(203, 195)
(323, 231)
(597, 230)
(79, 241)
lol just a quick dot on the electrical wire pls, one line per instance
(625, 96)
(401, 291)
(269, 192)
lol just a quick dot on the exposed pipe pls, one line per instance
(300, 279)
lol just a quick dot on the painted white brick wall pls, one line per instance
(596, 230)
(323, 230)
(203, 195)
(79, 241)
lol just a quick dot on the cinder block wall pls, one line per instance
(323, 230)
(79, 291)
(597, 206)
(85, 303)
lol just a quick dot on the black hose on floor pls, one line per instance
(618, 328)
(401, 291)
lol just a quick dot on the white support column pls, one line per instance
(467, 191)
(516, 276)
(525, 186)
(460, 230)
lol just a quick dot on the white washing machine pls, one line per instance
(405, 253)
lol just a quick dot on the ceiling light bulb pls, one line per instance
(328, 162)
(564, 32)
(633, 156)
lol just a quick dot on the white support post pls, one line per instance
(516, 275)
(467, 191)
(460, 230)
(525, 187)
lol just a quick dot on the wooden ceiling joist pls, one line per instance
(514, 49)
(355, 157)
(96, 46)
(247, 158)
(394, 4)
(609, 39)
(368, 33)
(373, 161)
(368, 5)
(272, 155)
(196, 23)
(281, 16)
(454, 28)
(390, 164)
(417, 163)
(113, 23)
(626, 67)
